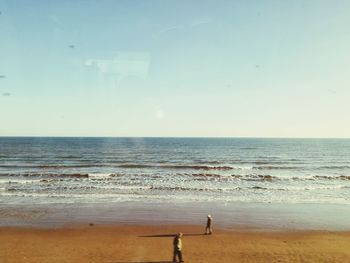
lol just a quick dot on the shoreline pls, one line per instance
(151, 244)
(262, 217)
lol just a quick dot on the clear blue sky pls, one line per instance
(175, 68)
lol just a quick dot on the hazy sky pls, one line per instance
(175, 68)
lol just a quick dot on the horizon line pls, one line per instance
(184, 137)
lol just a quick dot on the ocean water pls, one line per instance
(177, 170)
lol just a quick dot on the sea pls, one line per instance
(63, 170)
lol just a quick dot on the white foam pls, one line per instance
(18, 181)
(101, 175)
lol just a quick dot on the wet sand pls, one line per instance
(270, 217)
(150, 243)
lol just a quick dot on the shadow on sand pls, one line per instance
(173, 235)
(141, 262)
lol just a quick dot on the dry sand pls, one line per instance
(154, 244)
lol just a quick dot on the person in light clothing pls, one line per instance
(209, 227)
(177, 243)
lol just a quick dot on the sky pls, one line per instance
(175, 68)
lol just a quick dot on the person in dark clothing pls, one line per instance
(209, 227)
(177, 243)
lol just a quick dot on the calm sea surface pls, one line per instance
(94, 170)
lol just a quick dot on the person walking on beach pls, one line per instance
(209, 227)
(177, 243)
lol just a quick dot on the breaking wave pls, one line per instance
(181, 166)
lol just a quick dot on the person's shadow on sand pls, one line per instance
(141, 262)
(173, 235)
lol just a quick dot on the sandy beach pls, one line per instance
(147, 243)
